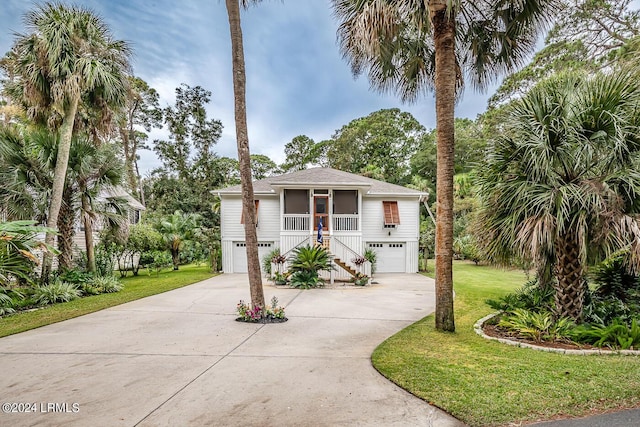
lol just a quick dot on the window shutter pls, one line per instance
(257, 202)
(391, 214)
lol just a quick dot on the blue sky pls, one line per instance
(297, 82)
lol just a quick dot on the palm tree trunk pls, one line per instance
(248, 205)
(88, 235)
(59, 176)
(66, 223)
(445, 81)
(570, 286)
(175, 258)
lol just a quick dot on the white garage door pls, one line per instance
(240, 255)
(391, 257)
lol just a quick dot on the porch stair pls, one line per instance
(345, 267)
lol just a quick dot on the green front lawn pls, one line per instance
(135, 287)
(484, 383)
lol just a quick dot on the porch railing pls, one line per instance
(343, 222)
(296, 222)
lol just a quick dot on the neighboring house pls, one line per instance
(134, 207)
(356, 213)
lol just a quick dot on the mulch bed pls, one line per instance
(263, 320)
(497, 332)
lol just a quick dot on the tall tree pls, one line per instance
(587, 34)
(27, 162)
(190, 166)
(141, 111)
(50, 81)
(242, 136)
(470, 146)
(410, 46)
(562, 184)
(299, 153)
(379, 145)
(262, 166)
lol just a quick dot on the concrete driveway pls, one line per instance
(180, 359)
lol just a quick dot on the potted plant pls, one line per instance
(360, 279)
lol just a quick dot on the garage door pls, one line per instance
(391, 257)
(240, 255)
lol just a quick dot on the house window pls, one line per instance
(296, 201)
(345, 202)
(391, 215)
(257, 202)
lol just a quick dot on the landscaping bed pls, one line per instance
(486, 383)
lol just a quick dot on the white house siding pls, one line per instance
(233, 230)
(406, 233)
(372, 228)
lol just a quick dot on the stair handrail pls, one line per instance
(306, 239)
(366, 264)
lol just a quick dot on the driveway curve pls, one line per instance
(180, 359)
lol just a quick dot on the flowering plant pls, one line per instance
(254, 314)
(359, 260)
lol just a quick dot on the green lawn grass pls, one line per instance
(135, 287)
(485, 383)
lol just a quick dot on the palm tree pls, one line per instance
(92, 172)
(562, 183)
(68, 53)
(27, 162)
(411, 46)
(176, 229)
(27, 159)
(244, 158)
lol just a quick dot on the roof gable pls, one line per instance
(317, 177)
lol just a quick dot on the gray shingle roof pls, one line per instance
(317, 177)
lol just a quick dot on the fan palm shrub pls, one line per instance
(561, 186)
(306, 261)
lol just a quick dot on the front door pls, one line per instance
(321, 212)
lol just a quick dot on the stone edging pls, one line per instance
(478, 329)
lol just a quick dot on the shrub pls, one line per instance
(615, 335)
(539, 326)
(465, 247)
(7, 302)
(105, 259)
(268, 259)
(75, 276)
(18, 241)
(310, 258)
(89, 289)
(360, 279)
(56, 292)
(530, 297)
(602, 311)
(613, 280)
(372, 257)
(108, 284)
(305, 279)
(161, 260)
